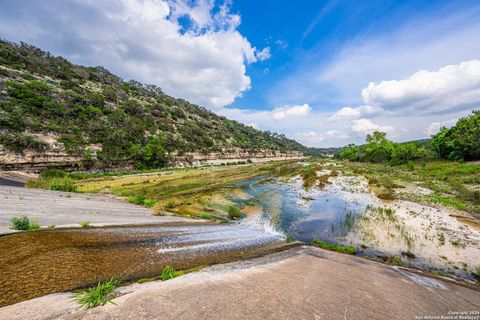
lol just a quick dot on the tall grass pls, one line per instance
(98, 295)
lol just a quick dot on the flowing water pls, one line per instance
(37, 263)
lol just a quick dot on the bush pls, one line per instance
(235, 213)
(142, 201)
(24, 223)
(461, 142)
(97, 295)
(66, 185)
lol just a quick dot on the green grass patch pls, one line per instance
(334, 247)
(142, 201)
(24, 223)
(63, 184)
(85, 224)
(168, 273)
(235, 213)
(98, 295)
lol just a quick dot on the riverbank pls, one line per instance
(300, 283)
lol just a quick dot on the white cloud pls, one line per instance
(291, 111)
(357, 112)
(365, 126)
(435, 127)
(145, 41)
(312, 137)
(426, 42)
(263, 54)
(449, 89)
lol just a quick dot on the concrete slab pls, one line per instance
(67, 209)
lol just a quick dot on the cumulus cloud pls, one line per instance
(312, 137)
(202, 60)
(449, 89)
(291, 111)
(366, 126)
(263, 54)
(357, 112)
(435, 127)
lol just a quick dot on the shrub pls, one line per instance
(24, 223)
(142, 201)
(334, 247)
(66, 185)
(168, 273)
(51, 173)
(235, 213)
(98, 295)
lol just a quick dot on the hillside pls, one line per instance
(60, 113)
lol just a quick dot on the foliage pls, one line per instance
(65, 184)
(379, 149)
(24, 223)
(128, 123)
(235, 213)
(51, 173)
(334, 247)
(98, 295)
(142, 201)
(461, 142)
(85, 224)
(168, 273)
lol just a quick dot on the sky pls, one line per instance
(324, 73)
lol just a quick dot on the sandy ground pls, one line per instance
(301, 283)
(68, 209)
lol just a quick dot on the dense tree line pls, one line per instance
(85, 106)
(461, 142)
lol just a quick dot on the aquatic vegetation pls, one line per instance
(98, 295)
(476, 273)
(168, 273)
(396, 261)
(235, 213)
(24, 223)
(85, 224)
(334, 247)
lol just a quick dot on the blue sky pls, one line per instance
(325, 73)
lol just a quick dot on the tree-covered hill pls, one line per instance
(90, 111)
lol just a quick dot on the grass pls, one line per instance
(142, 201)
(51, 226)
(98, 295)
(441, 239)
(85, 224)
(334, 247)
(234, 213)
(168, 273)
(24, 223)
(476, 273)
(453, 183)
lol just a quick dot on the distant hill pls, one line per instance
(49, 104)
